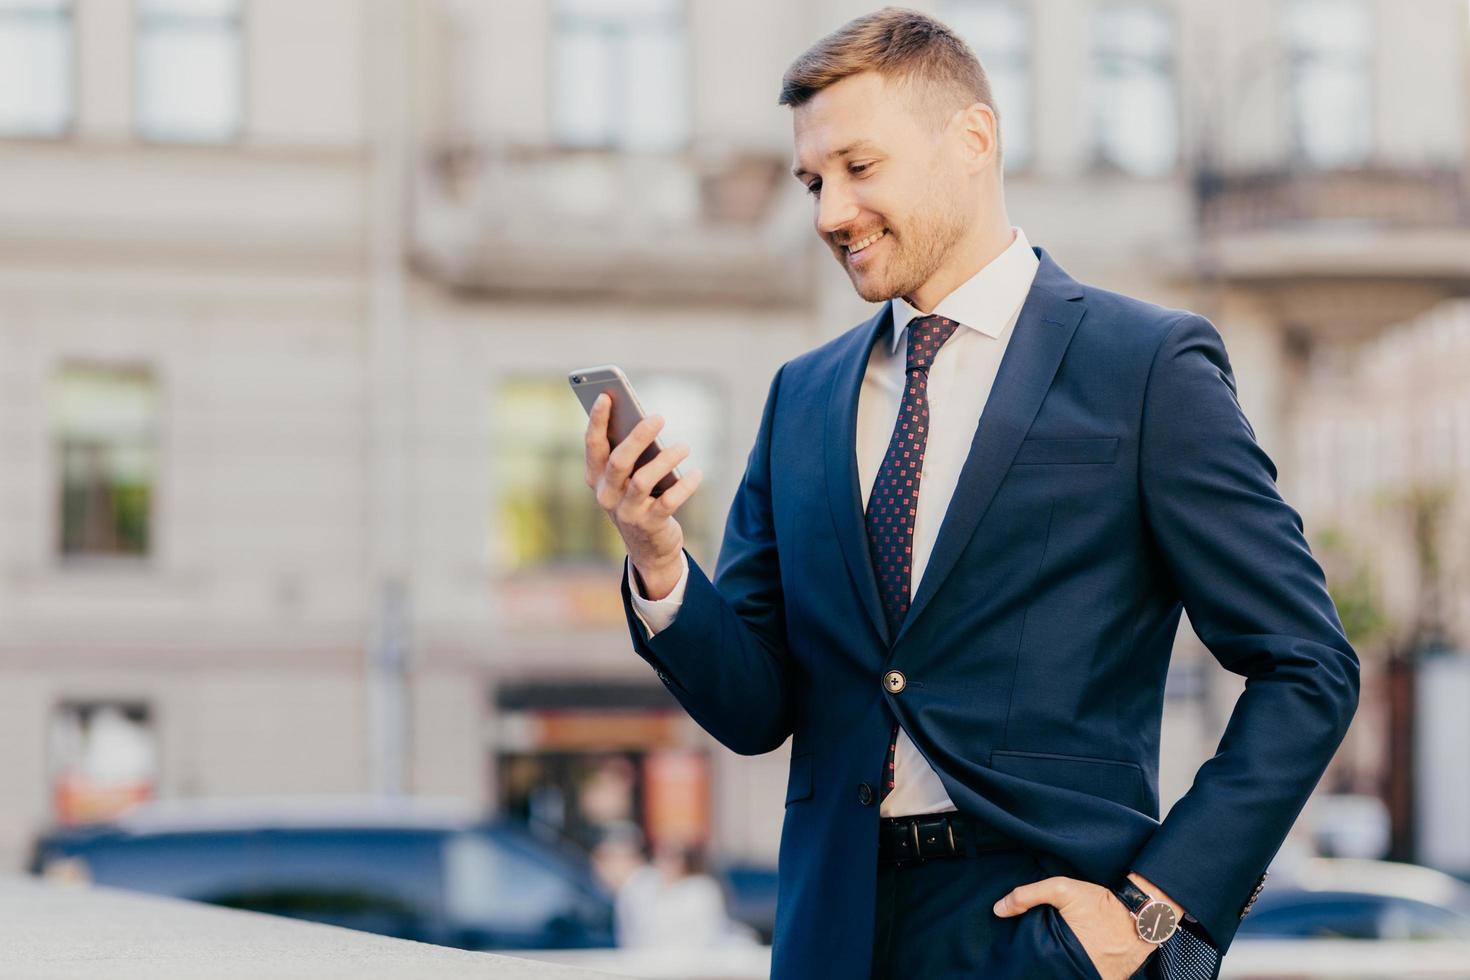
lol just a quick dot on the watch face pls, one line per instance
(1157, 922)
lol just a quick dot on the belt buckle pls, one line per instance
(936, 832)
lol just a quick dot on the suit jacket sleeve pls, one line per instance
(724, 657)
(1235, 555)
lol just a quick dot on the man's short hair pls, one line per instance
(904, 46)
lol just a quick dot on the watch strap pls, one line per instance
(1132, 897)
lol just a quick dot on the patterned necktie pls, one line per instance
(894, 498)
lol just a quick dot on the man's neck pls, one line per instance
(973, 257)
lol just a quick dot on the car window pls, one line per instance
(491, 885)
(1402, 918)
(1348, 915)
(1311, 916)
(378, 880)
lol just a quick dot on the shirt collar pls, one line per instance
(984, 302)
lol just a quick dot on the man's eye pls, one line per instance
(858, 168)
(814, 187)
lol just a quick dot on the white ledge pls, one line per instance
(58, 932)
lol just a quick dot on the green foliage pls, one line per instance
(1352, 584)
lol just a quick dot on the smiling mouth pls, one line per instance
(854, 248)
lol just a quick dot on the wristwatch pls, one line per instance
(1154, 919)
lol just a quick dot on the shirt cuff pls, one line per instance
(657, 614)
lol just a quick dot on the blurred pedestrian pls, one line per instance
(671, 902)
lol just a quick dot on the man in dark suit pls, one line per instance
(973, 673)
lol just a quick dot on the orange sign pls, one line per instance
(606, 729)
(80, 801)
(676, 795)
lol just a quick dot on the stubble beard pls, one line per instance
(917, 255)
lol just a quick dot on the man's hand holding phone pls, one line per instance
(654, 539)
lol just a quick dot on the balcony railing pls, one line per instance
(1376, 198)
(518, 220)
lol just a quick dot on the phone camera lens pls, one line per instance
(576, 379)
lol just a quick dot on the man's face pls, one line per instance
(898, 179)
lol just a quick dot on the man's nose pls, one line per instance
(835, 209)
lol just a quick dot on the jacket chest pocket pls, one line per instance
(1087, 449)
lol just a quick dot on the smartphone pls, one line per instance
(588, 383)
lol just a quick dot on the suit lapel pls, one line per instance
(1044, 328)
(844, 497)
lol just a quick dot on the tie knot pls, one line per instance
(926, 335)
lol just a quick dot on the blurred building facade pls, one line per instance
(290, 476)
(1381, 441)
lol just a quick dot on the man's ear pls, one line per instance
(977, 132)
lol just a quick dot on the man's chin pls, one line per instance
(870, 288)
(875, 286)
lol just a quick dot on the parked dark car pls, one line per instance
(429, 874)
(409, 869)
(1346, 898)
(750, 896)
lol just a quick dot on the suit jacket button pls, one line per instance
(893, 681)
(865, 794)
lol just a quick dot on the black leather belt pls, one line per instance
(913, 840)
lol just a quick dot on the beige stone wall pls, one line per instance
(240, 275)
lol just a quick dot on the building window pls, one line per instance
(103, 759)
(621, 78)
(106, 420)
(999, 32)
(189, 84)
(36, 87)
(545, 515)
(1330, 50)
(1134, 113)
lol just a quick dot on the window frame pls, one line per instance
(1026, 12)
(1099, 160)
(1300, 157)
(70, 75)
(78, 560)
(615, 137)
(240, 21)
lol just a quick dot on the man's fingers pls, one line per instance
(608, 496)
(674, 497)
(646, 477)
(620, 461)
(1049, 891)
(597, 448)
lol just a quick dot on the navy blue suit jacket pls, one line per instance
(1112, 481)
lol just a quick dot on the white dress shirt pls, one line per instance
(960, 379)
